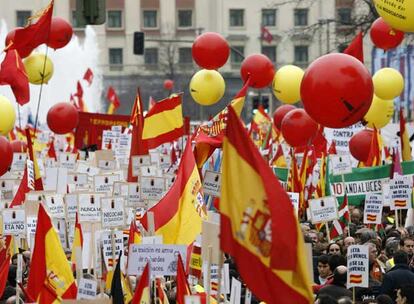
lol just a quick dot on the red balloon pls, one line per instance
(210, 51)
(62, 118)
(280, 113)
(23, 52)
(298, 129)
(337, 90)
(384, 36)
(260, 69)
(60, 33)
(360, 144)
(18, 146)
(6, 153)
(168, 84)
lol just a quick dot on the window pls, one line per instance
(184, 55)
(237, 54)
(301, 54)
(301, 17)
(269, 51)
(151, 56)
(114, 19)
(268, 17)
(185, 18)
(21, 17)
(75, 23)
(115, 56)
(150, 19)
(344, 15)
(237, 17)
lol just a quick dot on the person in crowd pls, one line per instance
(398, 276)
(376, 269)
(384, 299)
(337, 288)
(356, 216)
(407, 245)
(334, 249)
(348, 241)
(325, 299)
(405, 295)
(324, 272)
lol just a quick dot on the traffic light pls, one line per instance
(90, 12)
(265, 103)
(258, 100)
(255, 104)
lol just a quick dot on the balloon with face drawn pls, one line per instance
(38, 70)
(336, 90)
(207, 87)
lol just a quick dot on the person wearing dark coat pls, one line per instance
(398, 276)
(338, 287)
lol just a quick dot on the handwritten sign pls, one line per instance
(373, 209)
(358, 266)
(112, 212)
(152, 188)
(163, 258)
(212, 183)
(323, 209)
(14, 221)
(400, 192)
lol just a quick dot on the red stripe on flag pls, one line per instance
(165, 105)
(165, 137)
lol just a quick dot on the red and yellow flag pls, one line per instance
(164, 122)
(293, 183)
(374, 156)
(182, 284)
(77, 240)
(134, 236)
(175, 216)
(114, 102)
(50, 276)
(405, 141)
(279, 159)
(32, 155)
(142, 292)
(258, 226)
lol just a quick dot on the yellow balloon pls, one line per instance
(34, 65)
(388, 83)
(7, 116)
(207, 87)
(380, 113)
(286, 84)
(399, 14)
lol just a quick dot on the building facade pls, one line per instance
(301, 31)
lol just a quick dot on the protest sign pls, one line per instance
(79, 179)
(30, 174)
(134, 194)
(323, 209)
(214, 278)
(60, 225)
(55, 205)
(342, 136)
(71, 204)
(86, 168)
(109, 252)
(294, 198)
(19, 162)
(112, 212)
(14, 221)
(235, 295)
(152, 188)
(149, 171)
(120, 188)
(162, 258)
(400, 192)
(212, 183)
(358, 266)
(68, 160)
(138, 162)
(89, 207)
(105, 183)
(341, 164)
(373, 209)
(87, 289)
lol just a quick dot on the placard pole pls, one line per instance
(208, 287)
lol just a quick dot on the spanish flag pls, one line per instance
(175, 216)
(258, 226)
(293, 183)
(183, 289)
(374, 156)
(164, 122)
(20, 195)
(32, 156)
(77, 241)
(134, 236)
(142, 292)
(279, 159)
(405, 141)
(50, 276)
(114, 102)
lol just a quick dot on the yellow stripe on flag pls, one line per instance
(185, 225)
(163, 122)
(238, 104)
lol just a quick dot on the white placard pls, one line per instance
(71, 203)
(163, 258)
(373, 209)
(214, 278)
(212, 183)
(358, 266)
(89, 207)
(105, 183)
(55, 205)
(192, 300)
(19, 272)
(149, 171)
(117, 129)
(106, 164)
(109, 136)
(165, 161)
(79, 179)
(112, 212)
(31, 224)
(341, 164)
(120, 189)
(342, 136)
(138, 162)
(323, 209)
(60, 225)
(156, 239)
(86, 168)
(19, 161)
(14, 222)
(248, 296)
(294, 198)
(50, 163)
(134, 194)
(107, 247)
(386, 195)
(400, 192)
(68, 160)
(152, 188)
(86, 289)
(235, 295)
(30, 175)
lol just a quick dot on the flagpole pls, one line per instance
(41, 87)
(343, 185)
